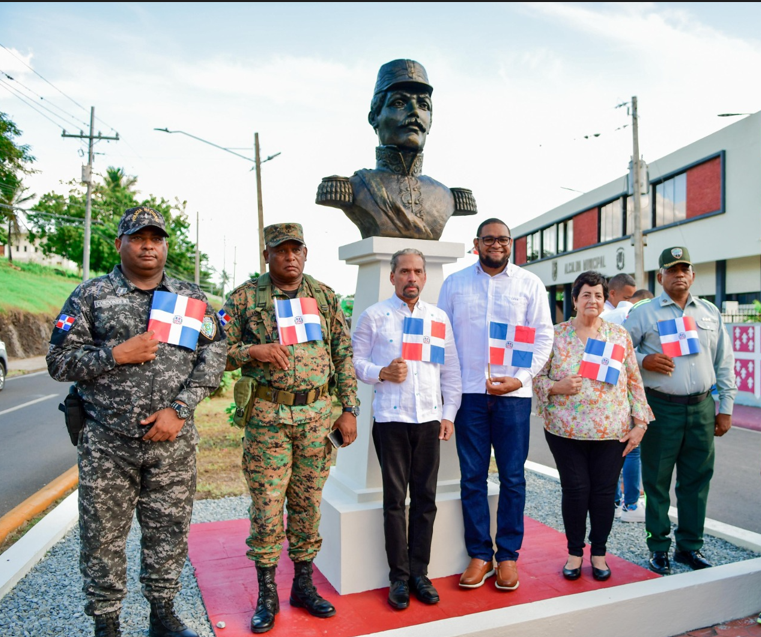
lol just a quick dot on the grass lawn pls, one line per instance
(34, 288)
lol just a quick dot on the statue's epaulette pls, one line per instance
(464, 202)
(334, 191)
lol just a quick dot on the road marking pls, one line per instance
(31, 402)
(7, 380)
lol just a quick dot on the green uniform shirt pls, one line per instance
(695, 373)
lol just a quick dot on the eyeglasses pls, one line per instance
(503, 241)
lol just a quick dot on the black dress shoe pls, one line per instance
(694, 559)
(424, 590)
(571, 573)
(399, 595)
(659, 562)
(600, 574)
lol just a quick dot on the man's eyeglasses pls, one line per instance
(503, 241)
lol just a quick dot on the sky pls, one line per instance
(524, 101)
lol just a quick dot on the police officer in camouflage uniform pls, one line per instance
(137, 449)
(286, 454)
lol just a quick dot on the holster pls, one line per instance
(243, 395)
(74, 414)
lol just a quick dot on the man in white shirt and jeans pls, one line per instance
(409, 421)
(496, 401)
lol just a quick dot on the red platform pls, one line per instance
(227, 579)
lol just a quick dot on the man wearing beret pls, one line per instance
(395, 199)
(137, 448)
(289, 336)
(683, 350)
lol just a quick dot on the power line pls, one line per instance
(30, 104)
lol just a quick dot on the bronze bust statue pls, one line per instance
(395, 199)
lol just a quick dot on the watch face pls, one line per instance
(182, 411)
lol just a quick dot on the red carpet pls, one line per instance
(227, 579)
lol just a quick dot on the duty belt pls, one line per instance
(282, 397)
(692, 399)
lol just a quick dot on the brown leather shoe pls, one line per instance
(507, 576)
(476, 573)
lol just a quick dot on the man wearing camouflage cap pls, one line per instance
(395, 199)
(137, 448)
(678, 388)
(284, 402)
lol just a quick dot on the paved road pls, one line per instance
(736, 485)
(34, 446)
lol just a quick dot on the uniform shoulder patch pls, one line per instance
(209, 327)
(61, 329)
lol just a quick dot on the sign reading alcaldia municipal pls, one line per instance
(592, 263)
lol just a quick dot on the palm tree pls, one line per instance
(13, 198)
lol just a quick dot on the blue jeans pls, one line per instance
(632, 473)
(483, 422)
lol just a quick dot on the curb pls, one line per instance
(38, 502)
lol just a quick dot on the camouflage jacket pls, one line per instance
(105, 312)
(310, 365)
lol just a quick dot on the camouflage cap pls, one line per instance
(672, 256)
(278, 233)
(135, 219)
(401, 72)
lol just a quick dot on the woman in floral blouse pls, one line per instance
(590, 425)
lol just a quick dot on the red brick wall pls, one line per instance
(585, 229)
(704, 188)
(520, 251)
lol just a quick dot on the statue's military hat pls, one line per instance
(278, 233)
(401, 72)
(672, 256)
(135, 219)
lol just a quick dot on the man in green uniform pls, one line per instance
(679, 391)
(284, 401)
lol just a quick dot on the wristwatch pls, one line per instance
(352, 410)
(183, 411)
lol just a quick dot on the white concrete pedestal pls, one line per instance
(353, 556)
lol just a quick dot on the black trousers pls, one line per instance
(409, 456)
(589, 470)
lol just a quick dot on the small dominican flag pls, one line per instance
(65, 322)
(224, 317)
(176, 319)
(511, 345)
(423, 340)
(679, 336)
(298, 321)
(602, 361)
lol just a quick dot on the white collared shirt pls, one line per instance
(377, 340)
(618, 314)
(471, 299)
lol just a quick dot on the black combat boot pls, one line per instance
(107, 625)
(305, 595)
(268, 604)
(165, 623)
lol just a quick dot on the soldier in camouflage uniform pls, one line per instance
(137, 449)
(286, 454)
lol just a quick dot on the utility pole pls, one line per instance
(198, 254)
(637, 240)
(260, 207)
(87, 179)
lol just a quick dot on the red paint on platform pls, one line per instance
(227, 580)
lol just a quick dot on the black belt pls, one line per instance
(692, 399)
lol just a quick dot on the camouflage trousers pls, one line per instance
(286, 465)
(118, 475)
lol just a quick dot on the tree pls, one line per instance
(55, 223)
(15, 162)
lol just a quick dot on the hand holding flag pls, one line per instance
(602, 361)
(176, 319)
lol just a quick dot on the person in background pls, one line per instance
(621, 287)
(590, 425)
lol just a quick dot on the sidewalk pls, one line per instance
(33, 364)
(747, 417)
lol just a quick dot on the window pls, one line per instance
(611, 221)
(565, 236)
(647, 217)
(549, 241)
(532, 246)
(671, 200)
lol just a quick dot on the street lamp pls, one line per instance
(257, 166)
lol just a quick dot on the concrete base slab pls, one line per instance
(353, 556)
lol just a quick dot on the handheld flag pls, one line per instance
(511, 345)
(298, 321)
(602, 361)
(176, 319)
(423, 340)
(679, 336)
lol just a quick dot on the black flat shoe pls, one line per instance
(600, 574)
(659, 562)
(694, 559)
(571, 573)
(399, 595)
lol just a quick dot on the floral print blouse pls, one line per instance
(600, 411)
